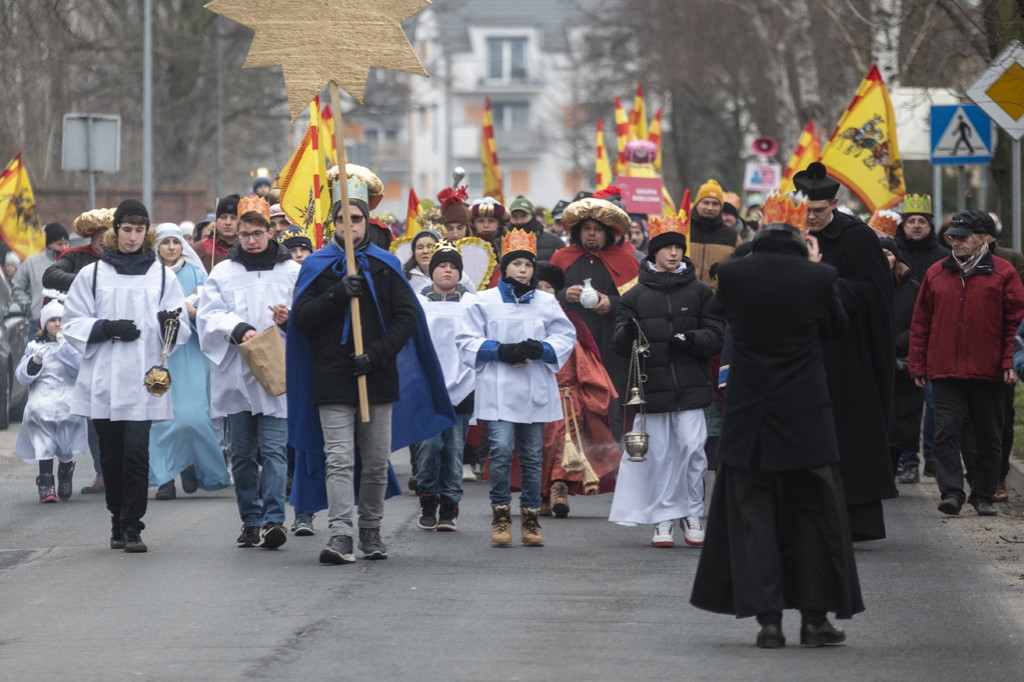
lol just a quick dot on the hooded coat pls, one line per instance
(919, 254)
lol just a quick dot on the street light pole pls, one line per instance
(147, 105)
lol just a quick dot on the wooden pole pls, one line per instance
(350, 256)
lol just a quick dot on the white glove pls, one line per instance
(60, 337)
(38, 357)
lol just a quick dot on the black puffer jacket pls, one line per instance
(666, 304)
(920, 254)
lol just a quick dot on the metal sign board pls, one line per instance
(999, 90)
(961, 134)
(641, 195)
(761, 177)
(91, 143)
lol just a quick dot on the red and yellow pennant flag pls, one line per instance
(412, 223)
(638, 116)
(808, 150)
(654, 135)
(621, 135)
(305, 198)
(327, 135)
(489, 157)
(19, 224)
(863, 153)
(602, 170)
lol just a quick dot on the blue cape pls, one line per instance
(422, 412)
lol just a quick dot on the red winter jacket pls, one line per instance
(963, 327)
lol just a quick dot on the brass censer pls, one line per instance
(637, 440)
(158, 378)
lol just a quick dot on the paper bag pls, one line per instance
(264, 353)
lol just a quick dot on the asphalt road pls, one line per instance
(597, 603)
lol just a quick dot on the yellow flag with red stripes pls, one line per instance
(305, 198)
(621, 135)
(489, 157)
(638, 116)
(603, 170)
(19, 224)
(654, 135)
(808, 150)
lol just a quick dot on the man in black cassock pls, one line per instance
(777, 533)
(860, 364)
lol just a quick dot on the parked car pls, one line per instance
(15, 333)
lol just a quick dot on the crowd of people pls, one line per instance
(800, 355)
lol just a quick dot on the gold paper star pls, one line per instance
(317, 41)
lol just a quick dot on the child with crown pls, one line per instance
(516, 338)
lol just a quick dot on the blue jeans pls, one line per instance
(439, 461)
(503, 436)
(908, 458)
(244, 428)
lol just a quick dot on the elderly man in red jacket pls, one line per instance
(961, 339)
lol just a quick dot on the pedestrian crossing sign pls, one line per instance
(961, 134)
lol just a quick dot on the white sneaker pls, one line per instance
(693, 528)
(467, 473)
(663, 534)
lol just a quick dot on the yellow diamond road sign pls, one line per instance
(999, 90)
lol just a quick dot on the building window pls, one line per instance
(519, 182)
(509, 115)
(371, 135)
(391, 135)
(574, 181)
(506, 60)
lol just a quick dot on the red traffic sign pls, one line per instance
(764, 146)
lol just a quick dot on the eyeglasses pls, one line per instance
(258, 234)
(354, 219)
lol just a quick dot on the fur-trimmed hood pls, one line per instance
(148, 244)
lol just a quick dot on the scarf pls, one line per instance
(264, 260)
(129, 263)
(968, 264)
(514, 291)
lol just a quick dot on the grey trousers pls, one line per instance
(342, 429)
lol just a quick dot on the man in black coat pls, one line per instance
(521, 216)
(777, 533)
(917, 237)
(860, 364)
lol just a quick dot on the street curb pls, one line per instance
(1015, 477)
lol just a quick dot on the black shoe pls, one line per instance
(116, 538)
(428, 512)
(412, 483)
(370, 544)
(250, 536)
(950, 505)
(272, 536)
(984, 508)
(189, 480)
(770, 637)
(909, 475)
(133, 543)
(900, 469)
(929, 469)
(338, 550)
(166, 491)
(820, 634)
(449, 513)
(65, 470)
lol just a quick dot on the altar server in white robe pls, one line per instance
(516, 338)
(114, 315)
(247, 293)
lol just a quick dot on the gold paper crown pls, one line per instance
(254, 203)
(917, 203)
(519, 240)
(445, 245)
(91, 222)
(780, 209)
(670, 223)
(883, 222)
(363, 184)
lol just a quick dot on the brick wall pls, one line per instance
(64, 205)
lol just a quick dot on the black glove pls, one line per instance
(683, 342)
(361, 364)
(508, 352)
(530, 349)
(164, 315)
(349, 286)
(122, 330)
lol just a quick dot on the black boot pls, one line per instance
(65, 471)
(770, 636)
(815, 630)
(45, 484)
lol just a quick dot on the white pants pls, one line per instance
(670, 484)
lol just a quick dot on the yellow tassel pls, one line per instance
(573, 461)
(590, 479)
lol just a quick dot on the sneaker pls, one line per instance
(116, 536)
(663, 534)
(929, 469)
(64, 473)
(272, 536)
(338, 550)
(166, 491)
(950, 505)
(428, 512)
(250, 536)
(478, 470)
(370, 544)
(900, 469)
(984, 508)
(303, 525)
(133, 543)
(467, 473)
(189, 480)
(909, 475)
(44, 482)
(693, 530)
(449, 513)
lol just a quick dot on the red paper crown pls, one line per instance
(670, 223)
(780, 209)
(449, 197)
(253, 203)
(519, 240)
(884, 223)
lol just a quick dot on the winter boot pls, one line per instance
(501, 526)
(45, 484)
(65, 470)
(428, 512)
(560, 499)
(529, 518)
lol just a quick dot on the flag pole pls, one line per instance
(350, 256)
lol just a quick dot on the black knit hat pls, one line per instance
(293, 238)
(128, 208)
(665, 239)
(54, 233)
(228, 204)
(550, 273)
(445, 252)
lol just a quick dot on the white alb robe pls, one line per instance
(109, 384)
(524, 394)
(232, 295)
(444, 320)
(48, 428)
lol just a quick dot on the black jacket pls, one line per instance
(919, 254)
(321, 313)
(666, 304)
(62, 273)
(547, 243)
